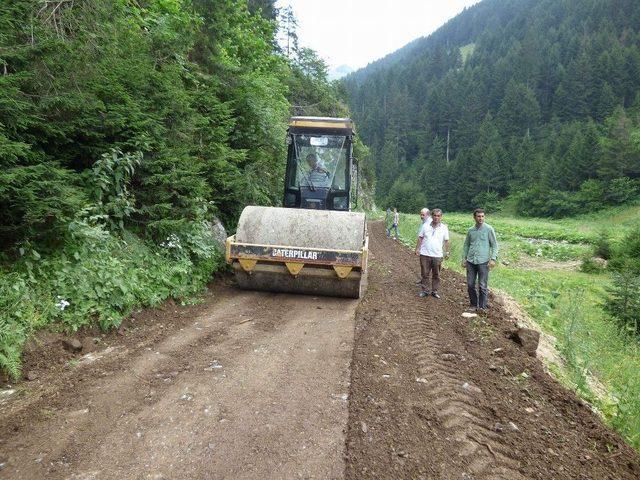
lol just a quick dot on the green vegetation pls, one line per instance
(624, 301)
(125, 128)
(544, 110)
(98, 277)
(570, 305)
(538, 228)
(466, 51)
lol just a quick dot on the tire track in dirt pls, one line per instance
(437, 396)
(455, 399)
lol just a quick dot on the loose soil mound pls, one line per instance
(435, 395)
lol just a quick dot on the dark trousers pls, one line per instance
(430, 265)
(481, 272)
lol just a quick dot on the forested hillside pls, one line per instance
(125, 127)
(535, 99)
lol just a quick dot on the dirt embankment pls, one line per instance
(435, 395)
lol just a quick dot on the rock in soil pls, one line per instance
(72, 345)
(526, 338)
(88, 345)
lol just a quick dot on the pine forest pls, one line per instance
(535, 100)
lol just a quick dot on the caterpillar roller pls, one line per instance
(314, 244)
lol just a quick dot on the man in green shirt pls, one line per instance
(479, 254)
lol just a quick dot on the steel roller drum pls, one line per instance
(315, 229)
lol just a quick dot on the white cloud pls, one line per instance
(357, 32)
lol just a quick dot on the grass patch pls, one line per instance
(566, 303)
(523, 228)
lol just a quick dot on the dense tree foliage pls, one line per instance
(125, 126)
(532, 98)
(194, 87)
(198, 88)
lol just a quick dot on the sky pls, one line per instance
(358, 32)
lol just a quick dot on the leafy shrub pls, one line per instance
(98, 277)
(110, 177)
(36, 202)
(595, 194)
(626, 256)
(602, 245)
(529, 202)
(624, 301)
(543, 202)
(591, 194)
(20, 314)
(562, 204)
(621, 190)
(590, 265)
(406, 196)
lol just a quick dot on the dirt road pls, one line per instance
(255, 385)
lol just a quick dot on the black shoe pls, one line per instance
(424, 294)
(435, 295)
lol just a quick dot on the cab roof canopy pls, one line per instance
(306, 124)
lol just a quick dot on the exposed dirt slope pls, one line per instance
(438, 396)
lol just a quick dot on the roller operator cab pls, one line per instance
(319, 163)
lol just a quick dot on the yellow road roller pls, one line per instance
(314, 244)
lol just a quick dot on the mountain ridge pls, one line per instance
(541, 90)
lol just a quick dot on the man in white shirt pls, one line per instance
(425, 217)
(432, 238)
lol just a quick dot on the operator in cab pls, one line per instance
(318, 175)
